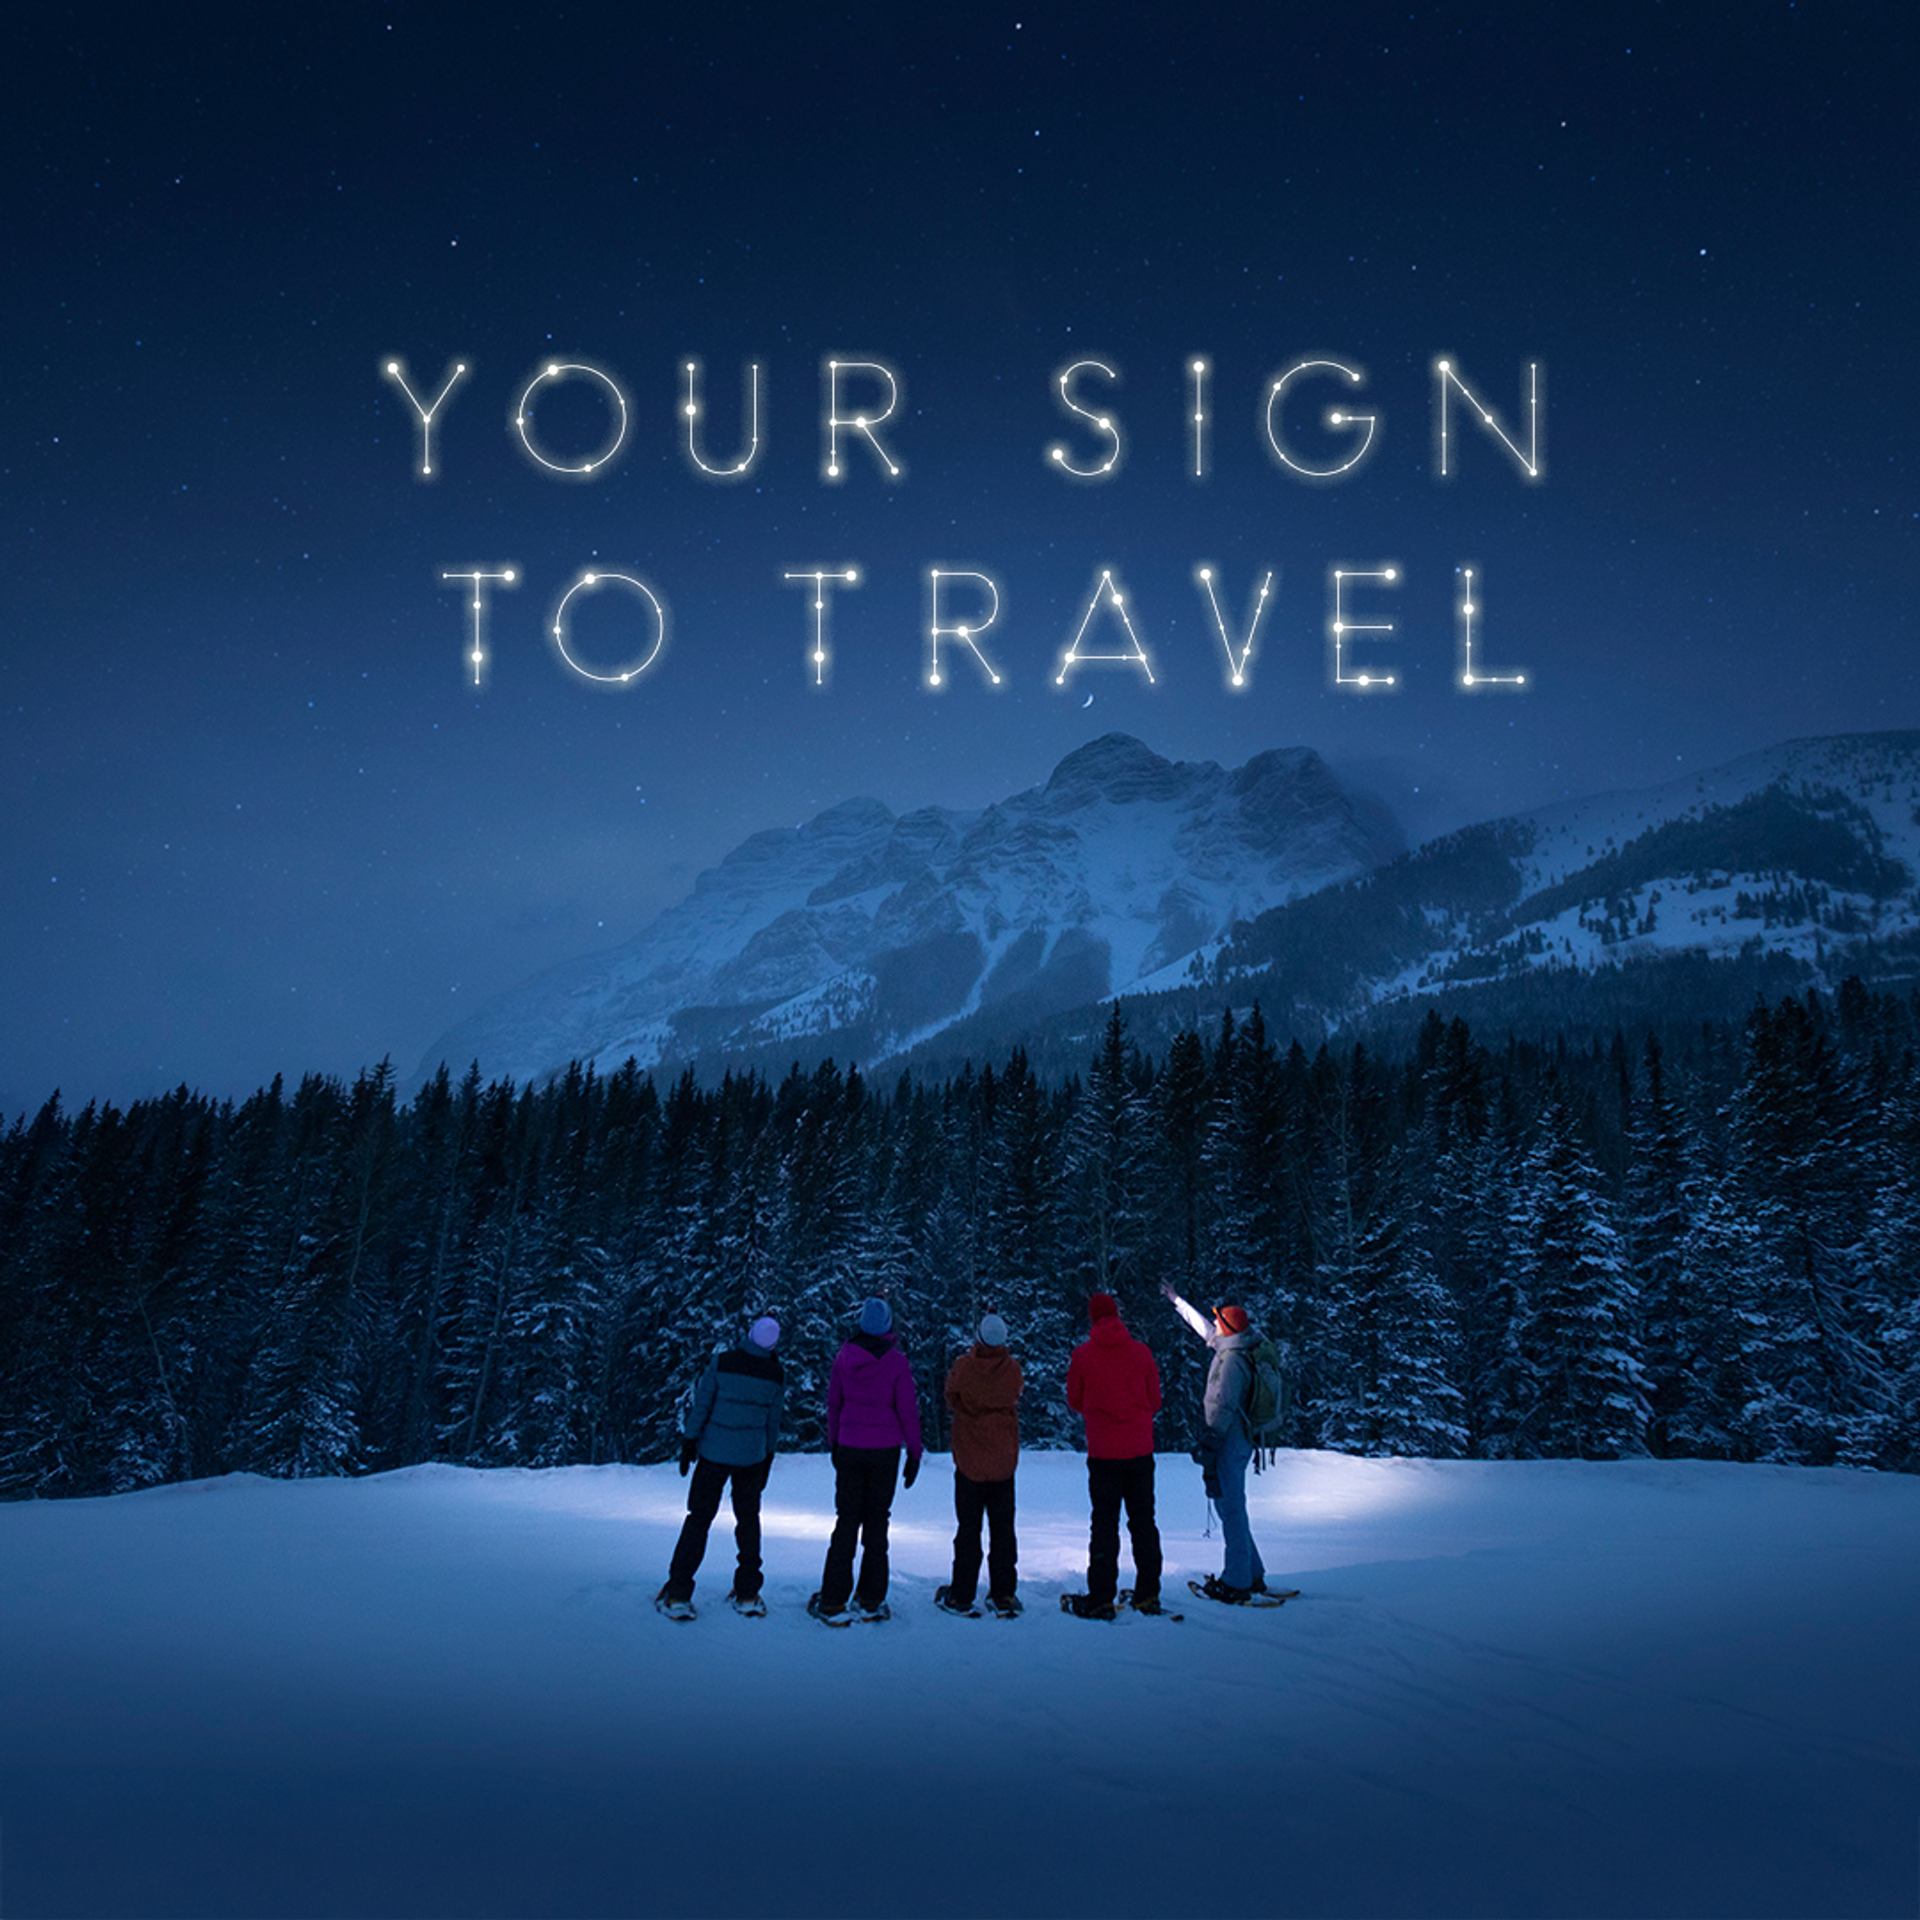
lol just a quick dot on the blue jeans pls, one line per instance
(1244, 1566)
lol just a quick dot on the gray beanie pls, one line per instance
(876, 1317)
(765, 1333)
(993, 1330)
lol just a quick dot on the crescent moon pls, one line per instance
(1086, 703)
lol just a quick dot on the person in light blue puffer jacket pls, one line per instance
(728, 1437)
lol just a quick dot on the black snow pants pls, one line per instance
(863, 1482)
(1112, 1485)
(703, 1502)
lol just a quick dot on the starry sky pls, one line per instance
(256, 817)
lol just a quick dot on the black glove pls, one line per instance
(913, 1470)
(689, 1453)
(1208, 1455)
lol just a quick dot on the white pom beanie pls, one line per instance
(765, 1333)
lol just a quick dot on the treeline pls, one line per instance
(1701, 1243)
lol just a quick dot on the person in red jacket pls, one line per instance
(1113, 1384)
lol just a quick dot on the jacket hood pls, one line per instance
(1236, 1342)
(1109, 1331)
(877, 1344)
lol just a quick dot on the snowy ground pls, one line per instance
(1538, 1689)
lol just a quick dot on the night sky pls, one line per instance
(256, 818)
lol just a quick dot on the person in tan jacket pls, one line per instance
(983, 1391)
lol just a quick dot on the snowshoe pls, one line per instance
(840, 1619)
(1007, 1609)
(750, 1605)
(943, 1599)
(1083, 1606)
(1214, 1588)
(871, 1616)
(1266, 1596)
(663, 1602)
(1152, 1607)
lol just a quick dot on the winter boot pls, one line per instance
(1005, 1607)
(1083, 1606)
(664, 1602)
(1129, 1599)
(749, 1604)
(943, 1599)
(871, 1616)
(841, 1618)
(1214, 1588)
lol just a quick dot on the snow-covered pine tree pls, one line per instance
(1656, 1216)
(1717, 1264)
(1575, 1337)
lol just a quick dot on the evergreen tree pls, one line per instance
(1575, 1332)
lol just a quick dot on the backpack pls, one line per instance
(1269, 1404)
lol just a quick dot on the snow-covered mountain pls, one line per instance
(881, 929)
(1808, 852)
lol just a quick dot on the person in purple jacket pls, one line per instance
(873, 1414)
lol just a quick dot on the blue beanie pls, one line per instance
(876, 1317)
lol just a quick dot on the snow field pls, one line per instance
(1551, 1687)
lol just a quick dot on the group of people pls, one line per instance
(731, 1428)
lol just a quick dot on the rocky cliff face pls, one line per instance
(886, 928)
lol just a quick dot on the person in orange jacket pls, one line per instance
(1113, 1384)
(983, 1391)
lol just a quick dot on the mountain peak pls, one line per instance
(865, 932)
(1114, 763)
